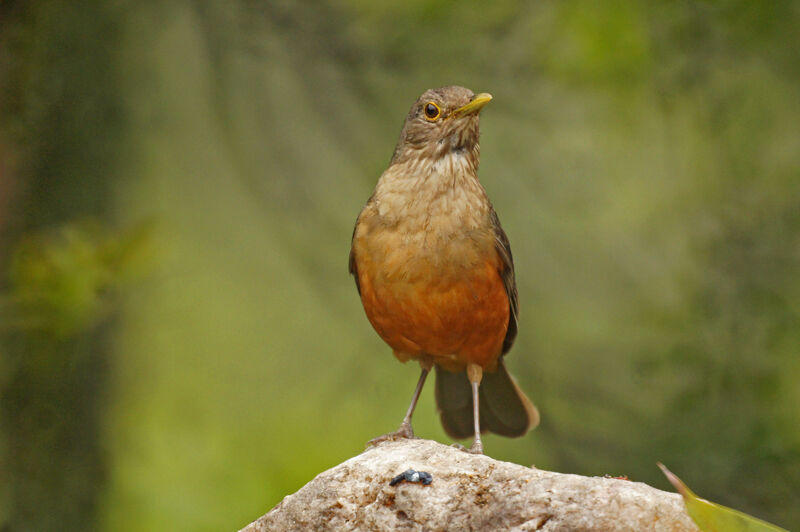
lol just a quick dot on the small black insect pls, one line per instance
(409, 475)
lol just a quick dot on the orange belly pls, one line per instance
(458, 316)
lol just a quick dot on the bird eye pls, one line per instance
(432, 111)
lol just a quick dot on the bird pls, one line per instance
(435, 274)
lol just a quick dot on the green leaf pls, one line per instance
(711, 517)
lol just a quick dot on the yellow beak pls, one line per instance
(474, 106)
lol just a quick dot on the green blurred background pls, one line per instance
(180, 342)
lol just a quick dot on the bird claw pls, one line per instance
(477, 448)
(405, 432)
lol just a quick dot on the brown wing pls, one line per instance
(352, 267)
(503, 248)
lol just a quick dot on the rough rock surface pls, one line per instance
(468, 492)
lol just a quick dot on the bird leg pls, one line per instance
(475, 374)
(405, 430)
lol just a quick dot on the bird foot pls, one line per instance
(477, 448)
(405, 432)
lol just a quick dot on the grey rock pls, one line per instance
(468, 492)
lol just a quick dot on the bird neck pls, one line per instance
(415, 191)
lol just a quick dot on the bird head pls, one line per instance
(441, 122)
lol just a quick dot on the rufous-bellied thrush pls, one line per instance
(435, 273)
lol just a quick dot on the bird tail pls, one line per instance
(504, 408)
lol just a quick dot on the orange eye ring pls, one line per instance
(431, 111)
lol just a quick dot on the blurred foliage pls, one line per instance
(644, 159)
(64, 285)
(60, 282)
(58, 274)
